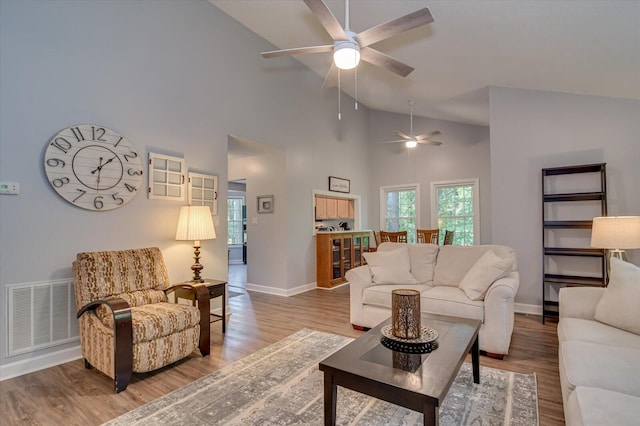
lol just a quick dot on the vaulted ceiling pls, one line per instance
(585, 47)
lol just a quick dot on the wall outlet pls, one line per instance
(9, 188)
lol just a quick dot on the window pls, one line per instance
(234, 220)
(454, 207)
(399, 207)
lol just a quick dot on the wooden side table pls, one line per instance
(216, 288)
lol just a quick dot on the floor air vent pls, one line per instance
(40, 315)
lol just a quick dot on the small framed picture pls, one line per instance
(337, 184)
(265, 203)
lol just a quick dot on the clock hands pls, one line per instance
(99, 169)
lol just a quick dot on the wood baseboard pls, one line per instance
(359, 327)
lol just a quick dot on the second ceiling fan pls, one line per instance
(411, 140)
(348, 47)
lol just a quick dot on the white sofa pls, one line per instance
(599, 364)
(438, 271)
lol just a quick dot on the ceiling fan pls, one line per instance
(348, 47)
(411, 141)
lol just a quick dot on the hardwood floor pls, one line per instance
(71, 395)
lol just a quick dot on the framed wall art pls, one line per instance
(265, 203)
(166, 177)
(337, 184)
(203, 191)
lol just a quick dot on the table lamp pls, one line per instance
(195, 223)
(615, 233)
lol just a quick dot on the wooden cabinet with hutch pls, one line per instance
(336, 253)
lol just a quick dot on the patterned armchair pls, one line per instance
(126, 321)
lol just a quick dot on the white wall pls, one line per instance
(266, 174)
(531, 130)
(173, 77)
(463, 154)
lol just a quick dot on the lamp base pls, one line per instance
(196, 267)
(618, 254)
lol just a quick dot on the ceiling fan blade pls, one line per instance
(381, 60)
(400, 140)
(298, 50)
(428, 135)
(327, 19)
(402, 135)
(331, 80)
(393, 27)
(435, 143)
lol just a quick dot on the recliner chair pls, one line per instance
(126, 321)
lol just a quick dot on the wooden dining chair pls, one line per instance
(448, 238)
(427, 236)
(393, 237)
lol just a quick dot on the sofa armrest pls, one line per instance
(579, 302)
(499, 313)
(359, 279)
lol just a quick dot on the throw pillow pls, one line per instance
(390, 267)
(620, 304)
(483, 273)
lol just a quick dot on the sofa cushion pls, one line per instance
(451, 301)
(380, 295)
(422, 258)
(620, 304)
(600, 366)
(454, 262)
(423, 261)
(585, 330)
(595, 407)
(390, 267)
(483, 273)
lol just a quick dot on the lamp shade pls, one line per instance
(195, 223)
(616, 232)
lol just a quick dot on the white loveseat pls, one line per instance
(599, 363)
(437, 272)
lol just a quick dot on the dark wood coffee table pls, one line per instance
(417, 382)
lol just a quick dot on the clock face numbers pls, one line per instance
(93, 167)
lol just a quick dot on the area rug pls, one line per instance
(281, 385)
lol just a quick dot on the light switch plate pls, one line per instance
(9, 188)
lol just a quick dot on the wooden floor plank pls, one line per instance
(72, 395)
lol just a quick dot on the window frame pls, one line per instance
(475, 185)
(383, 204)
(229, 222)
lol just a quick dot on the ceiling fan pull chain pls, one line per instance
(356, 78)
(339, 114)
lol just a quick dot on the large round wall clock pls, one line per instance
(93, 167)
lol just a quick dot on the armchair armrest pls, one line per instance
(201, 294)
(579, 302)
(123, 338)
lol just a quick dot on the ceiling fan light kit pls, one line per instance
(411, 144)
(346, 54)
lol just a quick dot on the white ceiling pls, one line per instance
(575, 46)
